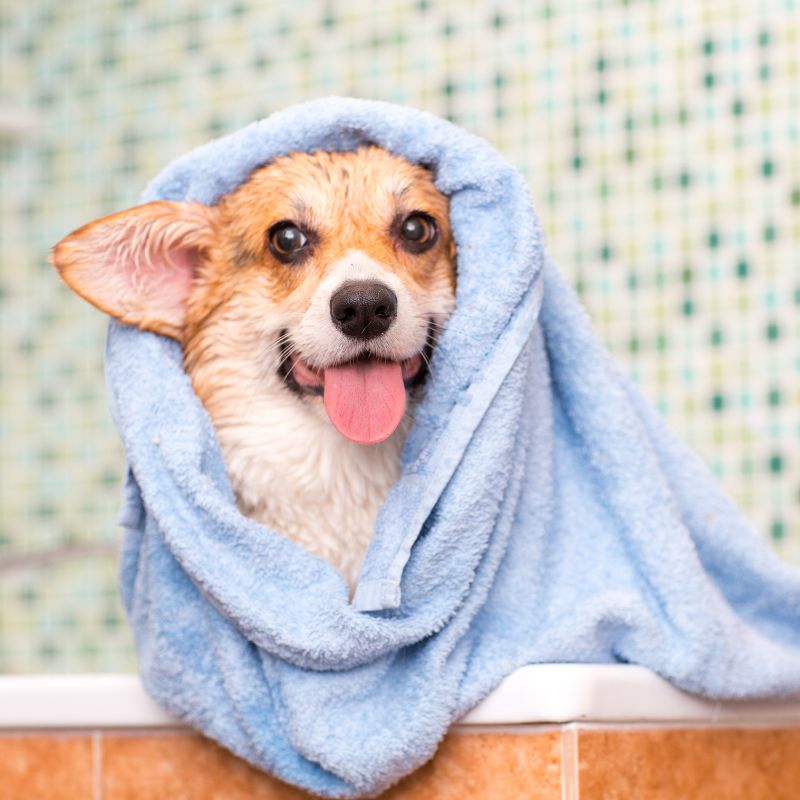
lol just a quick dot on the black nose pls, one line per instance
(363, 309)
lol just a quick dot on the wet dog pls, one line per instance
(307, 303)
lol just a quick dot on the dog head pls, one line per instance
(325, 276)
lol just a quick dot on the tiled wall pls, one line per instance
(661, 139)
(535, 763)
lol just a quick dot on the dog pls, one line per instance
(307, 303)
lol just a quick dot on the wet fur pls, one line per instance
(206, 277)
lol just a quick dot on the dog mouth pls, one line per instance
(365, 398)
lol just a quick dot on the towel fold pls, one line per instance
(544, 512)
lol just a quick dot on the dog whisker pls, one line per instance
(441, 327)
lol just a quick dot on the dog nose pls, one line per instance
(363, 309)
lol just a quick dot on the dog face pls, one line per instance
(324, 278)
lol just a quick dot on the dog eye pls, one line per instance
(418, 232)
(286, 241)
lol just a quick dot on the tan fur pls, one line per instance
(191, 227)
(289, 468)
(350, 199)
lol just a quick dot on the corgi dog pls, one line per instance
(307, 302)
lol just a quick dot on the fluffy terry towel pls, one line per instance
(544, 512)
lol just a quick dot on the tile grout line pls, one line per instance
(570, 774)
(97, 765)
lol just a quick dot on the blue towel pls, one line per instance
(544, 512)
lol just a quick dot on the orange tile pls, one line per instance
(467, 766)
(488, 766)
(46, 767)
(676, 764)
(182, 766)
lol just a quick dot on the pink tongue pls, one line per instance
(366, 400)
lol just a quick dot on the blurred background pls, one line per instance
(661, 141)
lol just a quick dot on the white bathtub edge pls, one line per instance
(612, 693)
(78, 701)
(540, 693)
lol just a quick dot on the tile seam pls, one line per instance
(97, 765)
(570, 775)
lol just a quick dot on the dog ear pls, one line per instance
(138, 265)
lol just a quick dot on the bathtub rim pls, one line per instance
(536, 694)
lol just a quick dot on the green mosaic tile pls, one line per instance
(660, 141)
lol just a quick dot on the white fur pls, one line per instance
(322, 344)
(289, 467)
